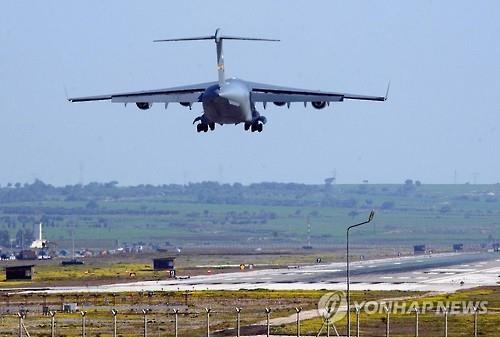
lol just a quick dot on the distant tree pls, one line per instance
(408, 182)
(24, 237)
(418, 183)
(92, 205)
(4, 238)
(445, 209)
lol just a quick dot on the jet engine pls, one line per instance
(318, 105)
(279, 103)
(144, 105)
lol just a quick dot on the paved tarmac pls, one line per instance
(440, 272)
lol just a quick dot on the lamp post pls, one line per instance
(370, 218)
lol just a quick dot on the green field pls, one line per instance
(258, 215)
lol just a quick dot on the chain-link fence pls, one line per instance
(233, 322)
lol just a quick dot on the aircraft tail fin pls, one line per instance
(218, 38)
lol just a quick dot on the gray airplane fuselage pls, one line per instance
(230, 104)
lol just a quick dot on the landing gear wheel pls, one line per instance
(205, 127)
(259, 127)
(254, 127)
(212, 126)
(199, 127)
(247, 126)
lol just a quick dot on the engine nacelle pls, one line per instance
(318, 105)
(279, 103)
(144, 105)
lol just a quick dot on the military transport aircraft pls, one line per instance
(228, 101)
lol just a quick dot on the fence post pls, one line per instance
(83, 313)
(238, 313)
(387, 321)
(145, 313)
(445, 322)
(208, 310)
(416, 322)
(298, 310)
(114, 312)
(268, 313)
(357, 320)
(21, 316)
(176, 313)
(475, 321)
(52, 323)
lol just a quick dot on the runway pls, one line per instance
(440, 272)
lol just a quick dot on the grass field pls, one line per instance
(192, 317)
(437, 215)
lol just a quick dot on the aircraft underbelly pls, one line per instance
(221, 111)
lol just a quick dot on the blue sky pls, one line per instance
(440, 56)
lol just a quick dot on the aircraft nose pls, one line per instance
(231, 92)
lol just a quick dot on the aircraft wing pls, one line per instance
(188, 94)
(270, 93)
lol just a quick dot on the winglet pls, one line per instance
(387, 91)
(66, 93)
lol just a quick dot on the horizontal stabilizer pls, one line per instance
(188, 39)
(217, 37)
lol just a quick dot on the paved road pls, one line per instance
(440, 272)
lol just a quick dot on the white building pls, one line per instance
(40, 242)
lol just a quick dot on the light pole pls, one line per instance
(370, 218)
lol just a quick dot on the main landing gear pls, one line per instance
(204, 124)
(257, 125)
(203, 127)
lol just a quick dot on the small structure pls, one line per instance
(72, 262)
(164, 263)
(419, 250)
(39, 243)
(458, 247)
(70, 307)
(19, 272)
(27, 255)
